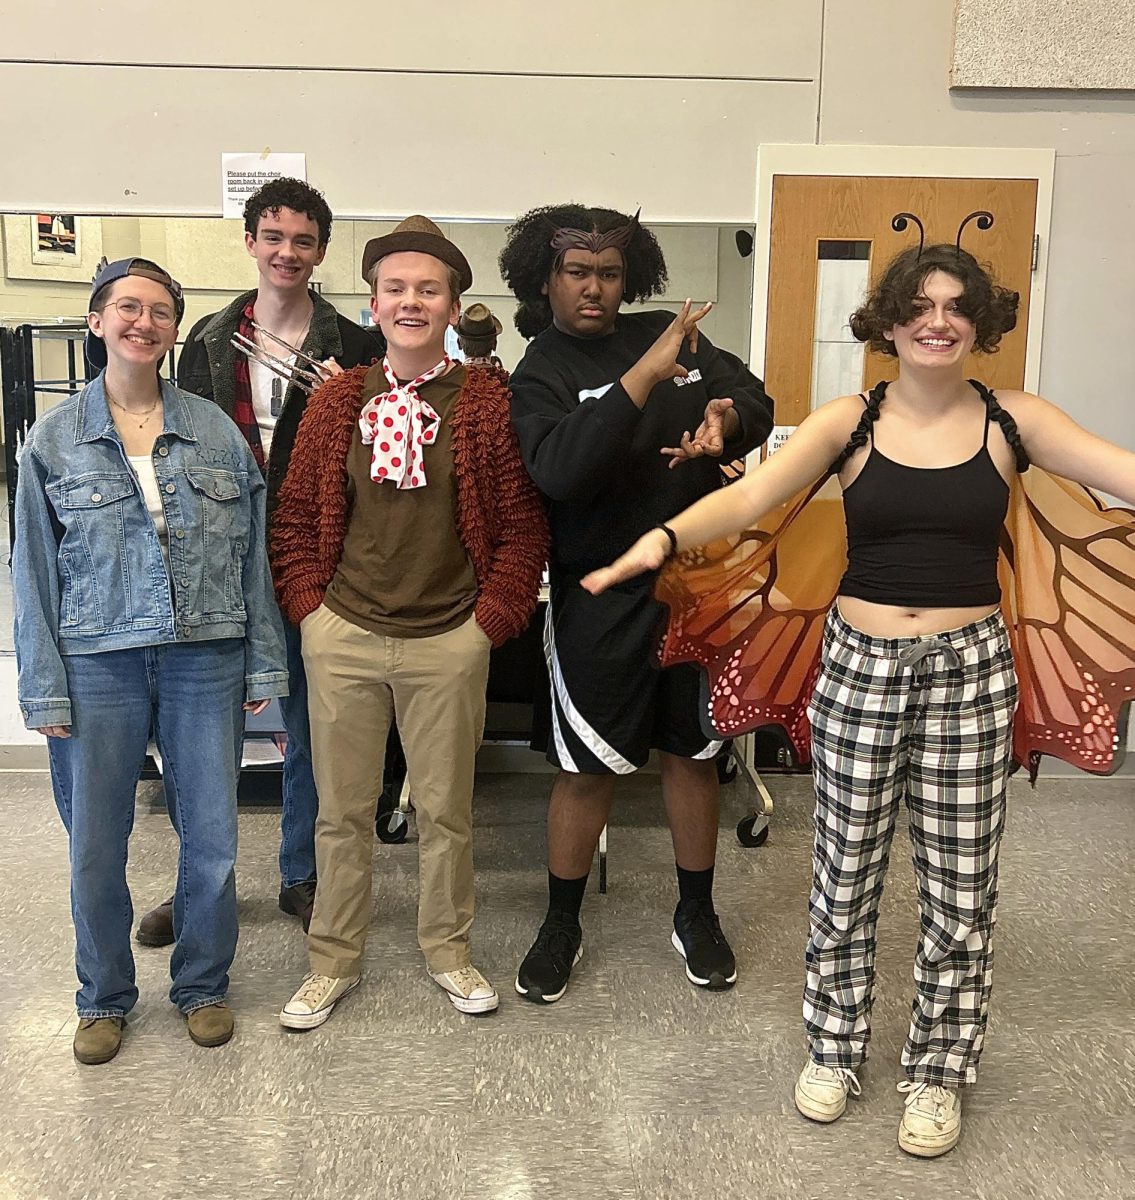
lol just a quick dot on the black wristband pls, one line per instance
(672, 536)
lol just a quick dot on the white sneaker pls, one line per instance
(468, 990)
(316, 1000)
(932, 1120)
(821, 1092)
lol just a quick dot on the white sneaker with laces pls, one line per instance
(468, 990)
(821, 1091)
(316, 1000)
(932, 1119)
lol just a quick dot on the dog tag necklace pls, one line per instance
(276, 396)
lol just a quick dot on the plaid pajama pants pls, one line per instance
(929, 719)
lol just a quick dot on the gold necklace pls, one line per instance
(146, 413)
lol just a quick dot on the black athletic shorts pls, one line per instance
(611, 701)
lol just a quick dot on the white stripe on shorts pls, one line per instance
(711, 751)
(604, 752)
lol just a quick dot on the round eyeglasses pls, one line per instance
(130, 310)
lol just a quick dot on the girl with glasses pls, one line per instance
(143, 603)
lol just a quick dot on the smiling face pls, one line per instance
(938, 335)
(585, 292)
(142, 340)
(286, 248)
(413, 303)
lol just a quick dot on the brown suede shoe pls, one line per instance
(211, 1025)
(156, 927)
(98, 1039)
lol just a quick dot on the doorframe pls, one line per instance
(946, 162)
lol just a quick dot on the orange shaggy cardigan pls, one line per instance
(500, 517)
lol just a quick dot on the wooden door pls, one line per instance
(810, 213)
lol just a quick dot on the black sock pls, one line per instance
(566, 895)
(694, 885)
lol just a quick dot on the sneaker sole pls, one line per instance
(821, 1115)
(315, 1019)
(922, 1150)
(537, 996)
(473, 1008)
(715, 983)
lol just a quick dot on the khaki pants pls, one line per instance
(358, 681)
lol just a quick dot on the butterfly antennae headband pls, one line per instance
(982, 216)
(899, 223)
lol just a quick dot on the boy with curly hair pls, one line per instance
(287, 227)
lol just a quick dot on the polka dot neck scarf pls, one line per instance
(398, 424)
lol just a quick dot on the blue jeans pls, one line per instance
(191, 696)
(300, 801)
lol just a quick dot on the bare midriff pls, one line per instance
(897, 621)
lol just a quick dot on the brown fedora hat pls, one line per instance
(478, 322)
(421, 234)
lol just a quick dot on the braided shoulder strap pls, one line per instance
(862, 431)
(1008, 425)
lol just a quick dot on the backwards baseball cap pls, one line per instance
(108, 272)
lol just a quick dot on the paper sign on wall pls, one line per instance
(242, 174)
(780, 434)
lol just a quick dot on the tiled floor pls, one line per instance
(635, 1085)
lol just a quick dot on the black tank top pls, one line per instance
(925, 537)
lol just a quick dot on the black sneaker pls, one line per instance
(698, 939)
(546, 968)
(299, 900)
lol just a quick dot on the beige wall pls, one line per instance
(521, 104)
(646, 101)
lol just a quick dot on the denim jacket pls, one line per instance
(87, 566)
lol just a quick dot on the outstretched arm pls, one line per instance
(1055, 442)
(803, 459)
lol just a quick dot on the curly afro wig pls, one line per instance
(991, 308)
(528, 259)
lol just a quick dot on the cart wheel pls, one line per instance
(726, 770)
(392, 827)
(753, 830)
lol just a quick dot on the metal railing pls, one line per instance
(21, 387)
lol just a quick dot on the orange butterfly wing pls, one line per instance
(1068, 594)
(750, 610)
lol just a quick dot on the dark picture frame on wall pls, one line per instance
(55, 239)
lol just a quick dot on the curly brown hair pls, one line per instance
(991, 307)
(295, 194)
